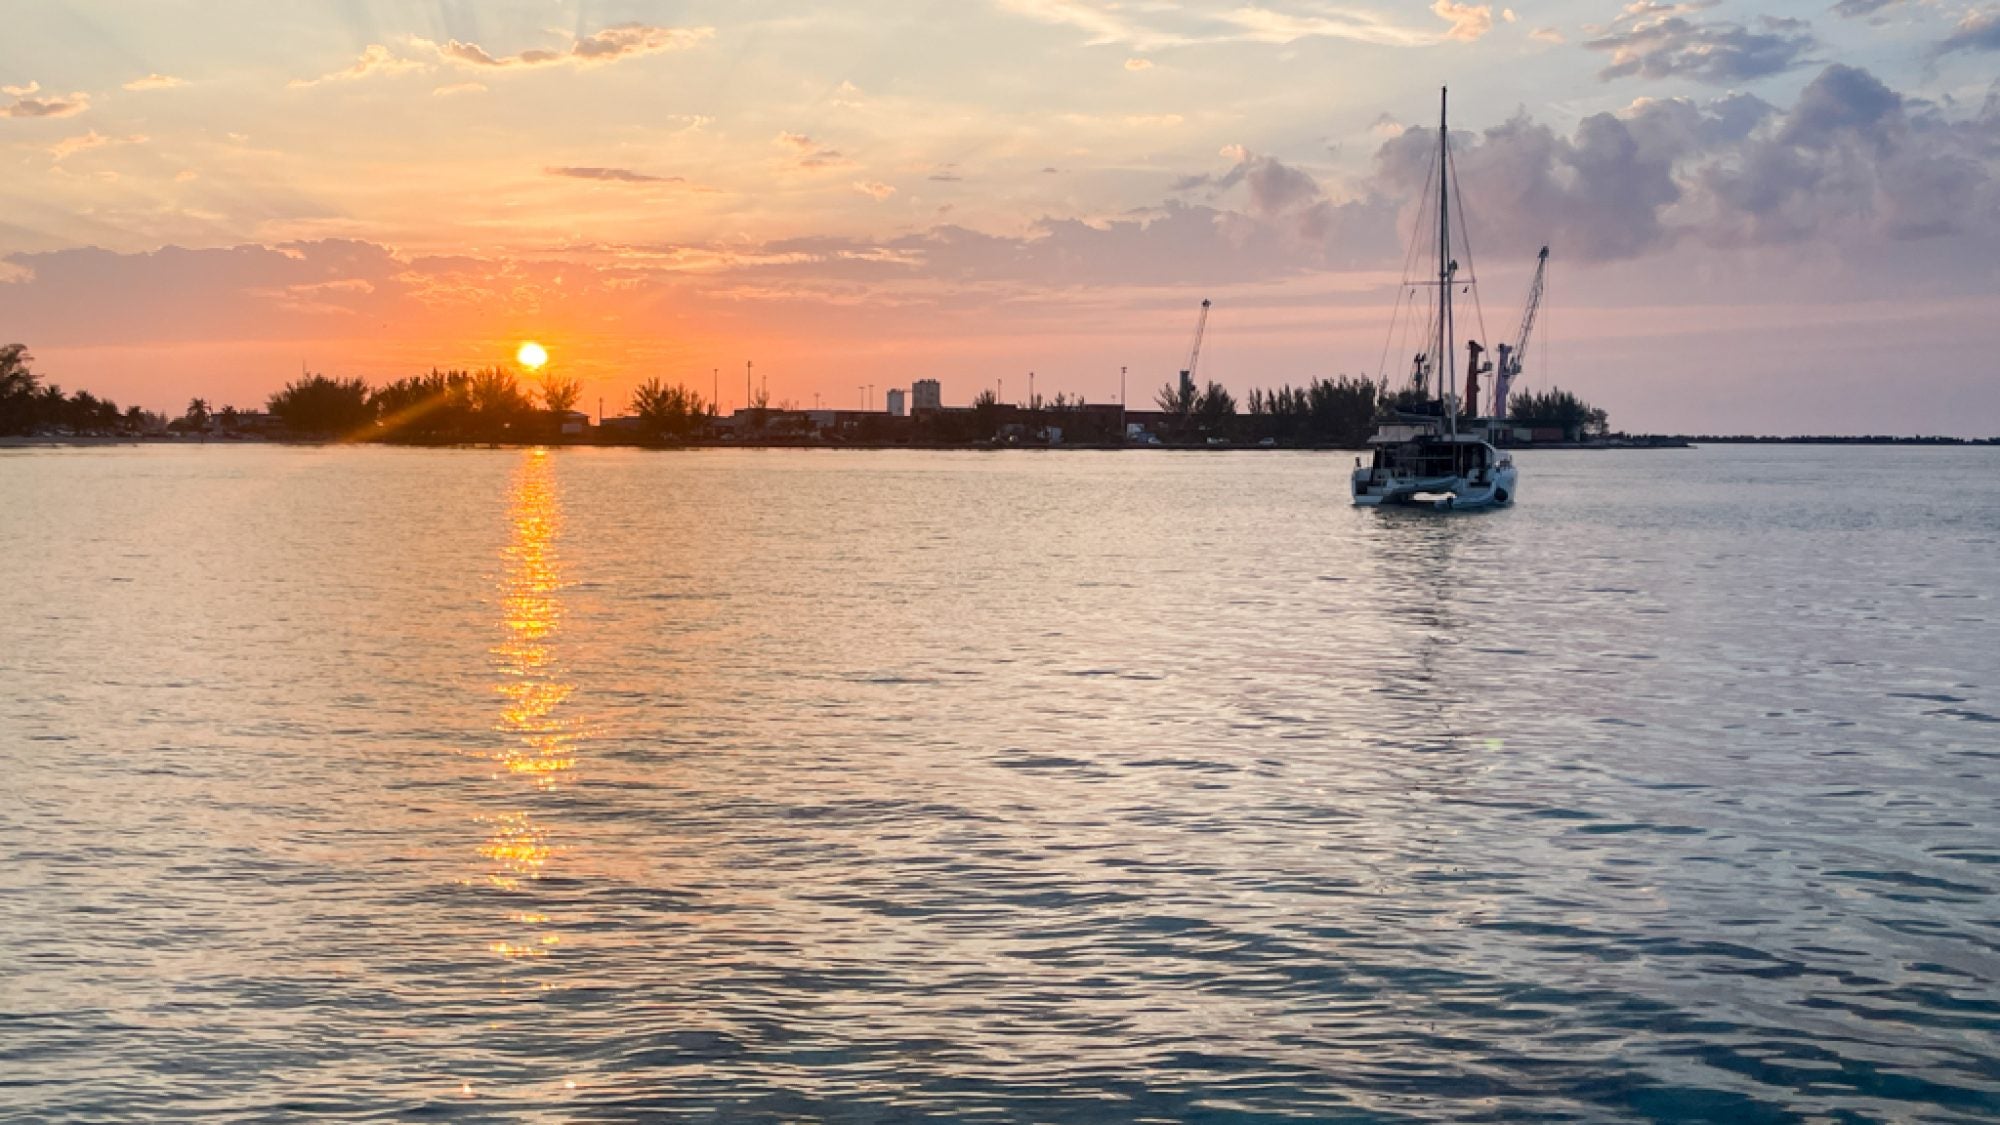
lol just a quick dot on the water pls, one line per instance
(607, 785)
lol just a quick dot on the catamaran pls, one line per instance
(1433, 449)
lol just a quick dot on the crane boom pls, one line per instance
(1511, 355)
(1194, 353)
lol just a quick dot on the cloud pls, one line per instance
(155, 82)
(620, 41)
(1152, 27)
(1548, 35)
(615, 175)
(457, 88)
(1849, 169)
(1138, 64)
(174, 293)
(70, 146)
(1854, 160)
(1843, 100)
(810, 154)
(874, 189)
(1849, 9)
(25, 104)
(1657, 40)
(375, 59)
(1468, 21)
(1978, 31)
(1263, 25)
(1103, 25)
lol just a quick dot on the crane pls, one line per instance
(1512, 354)
(1194, 354)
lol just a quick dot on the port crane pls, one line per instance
(1194, 355)
(1512, 354)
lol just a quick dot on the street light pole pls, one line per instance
(1122, 431)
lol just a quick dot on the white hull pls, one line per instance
(1495, 489)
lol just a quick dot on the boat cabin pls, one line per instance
(1432, 457)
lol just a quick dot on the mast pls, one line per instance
(1444, 357)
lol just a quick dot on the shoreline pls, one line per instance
(1628, 445)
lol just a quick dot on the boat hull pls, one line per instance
(1495, 489)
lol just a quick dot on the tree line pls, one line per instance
(28, 406)
(493, 405)
(1339, 412)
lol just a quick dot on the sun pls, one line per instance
(532, 356)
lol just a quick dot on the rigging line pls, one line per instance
(1465, 236)
(1382, 368)
(1410, 327)
(1409, 263)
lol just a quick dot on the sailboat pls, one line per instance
(1433, 449)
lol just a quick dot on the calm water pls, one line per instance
(604, 785)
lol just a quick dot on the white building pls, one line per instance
(895, 398)
(926, 394)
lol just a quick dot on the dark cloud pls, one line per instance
(175, 293)
(618, 175)
(1277, 188)
(1851, 9)
(1598, 194)
(1652, 40)
(1853, 161)
(1843, 100)
(1978, 31)
(26, 104)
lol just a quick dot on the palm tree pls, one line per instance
(17, 389)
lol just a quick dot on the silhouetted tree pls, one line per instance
(1557, 407)
(1178, 399)
(1214, 411)
(18, 385)
(423, 408)
(560, 392)
(497, 408)
(668, 411)
(323, 407)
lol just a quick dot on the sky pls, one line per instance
(1764, 218)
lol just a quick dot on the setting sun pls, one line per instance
(532, 356)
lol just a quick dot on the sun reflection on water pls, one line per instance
(539, 739)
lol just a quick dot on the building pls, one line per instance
(896, 402)
(926, 394)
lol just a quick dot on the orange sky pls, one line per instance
(1744, 236)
